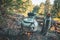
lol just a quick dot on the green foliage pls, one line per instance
(19, 2)
(56, 6)
(53, 11)
(10, 4)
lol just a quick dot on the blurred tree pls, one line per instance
(6, 6)
(47, 6)
(10, 4)
(56, 7)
